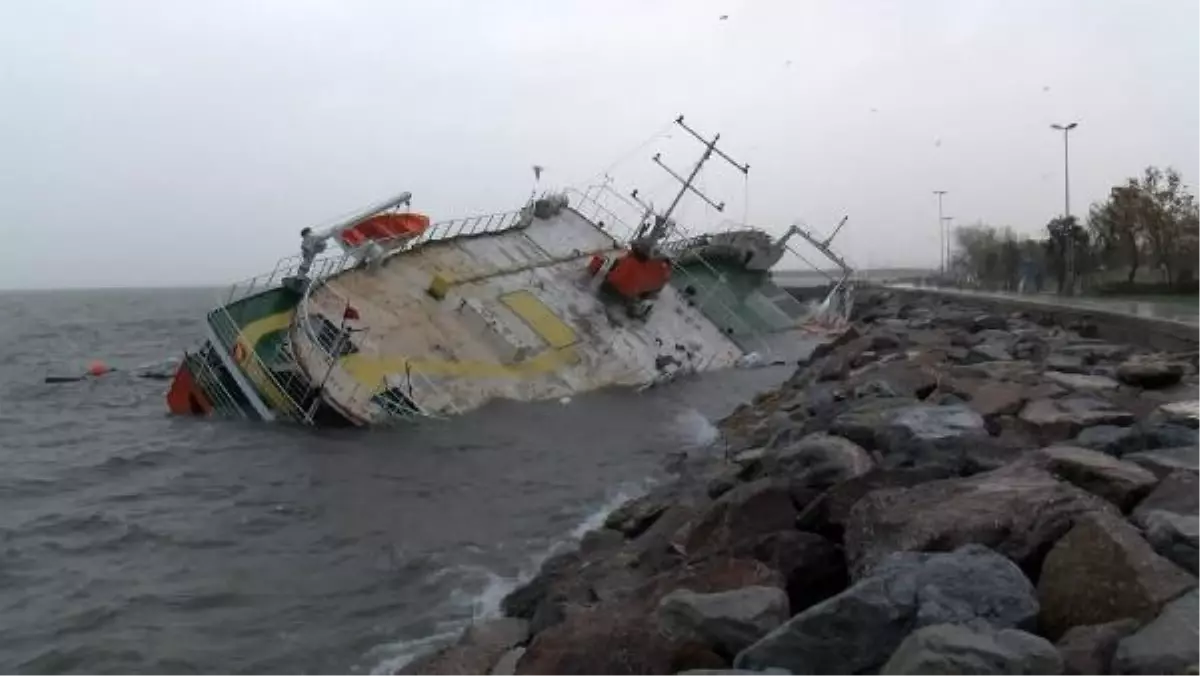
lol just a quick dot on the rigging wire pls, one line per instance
(662, 131)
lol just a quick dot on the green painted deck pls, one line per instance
(743, 304)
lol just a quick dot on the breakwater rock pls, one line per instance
(938, 489)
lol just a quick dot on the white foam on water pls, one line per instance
(485, 591)
(694, 430)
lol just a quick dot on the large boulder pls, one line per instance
(635, 516)
(1089, 649)
(1066, 363)
(1110, 439)
(1182, 412)
(712, 575)
(1082, 383)
(1121, 483)
(989, 352)
(859, 629)
(612, 639)
(813, 568)
(1018, 510)
(829, 513)
(954, 649)
(727, 621)
(818, 460)
(1169, 519)
(1167, 645)
(929, 435)
(1102, 570)
(1150, 372)
(1164, 461)
(477, 650)
(1060, 419)
(861, 420)
(1094, 351)
(991, 398)
(744, 513)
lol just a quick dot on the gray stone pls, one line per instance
(829, 513)
(1082, 383)
(996, 336)
(1066, 363)
(953, 649)
(743, 514)
(508, 631)
(1100, 571)
(817, 460)
(989, 352)
(1093, 351)
(507, 664)
(1167, 645)
(862, 419)
(1121, 483)
(635, 516)
(859, 629)
(1150, 372)
(813, 567)
(1170, 435)
(925, 434)
(1164, 461)
(1089, 649)
(1110, 439)
(989, 321)
(1019, 510)
(477, 649)
(1060, 419)
(732, 672)
(1185, 412)
(727, 621)
(990, 398)
(1168, 518)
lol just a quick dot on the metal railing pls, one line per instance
(423, 395)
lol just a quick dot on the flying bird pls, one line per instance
(1046, 88)
(723, 17)
(937, 143)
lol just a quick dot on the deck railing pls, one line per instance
(424, 397)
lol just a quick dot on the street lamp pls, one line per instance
(1066, 130)
(941, 233)
(1070, 262)
(946, 232)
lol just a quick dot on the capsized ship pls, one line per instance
(388, 317)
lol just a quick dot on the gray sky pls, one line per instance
(168, 143)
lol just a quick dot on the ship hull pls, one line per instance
(443, 326)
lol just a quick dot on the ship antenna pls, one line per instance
(710, 147)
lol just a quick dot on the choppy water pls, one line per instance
(131, 541)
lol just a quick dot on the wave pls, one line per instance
(482, 590)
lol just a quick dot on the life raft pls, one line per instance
(385, 227)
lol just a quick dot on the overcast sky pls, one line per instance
(170, 143)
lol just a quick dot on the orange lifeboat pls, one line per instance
(385, 227)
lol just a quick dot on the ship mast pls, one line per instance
(661, 221)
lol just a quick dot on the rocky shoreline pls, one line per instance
(939, 490)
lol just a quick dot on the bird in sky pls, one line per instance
(723, 17)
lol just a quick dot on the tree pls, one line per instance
(1068, 251)
(1118, 227)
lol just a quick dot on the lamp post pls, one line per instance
(1070, 262)
(946, 231)
(941, 233)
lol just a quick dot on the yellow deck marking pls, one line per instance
(539, 317)
(371, 371)
(250, 334)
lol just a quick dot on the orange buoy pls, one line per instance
(98, 368)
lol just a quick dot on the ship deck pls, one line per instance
(513, 314)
